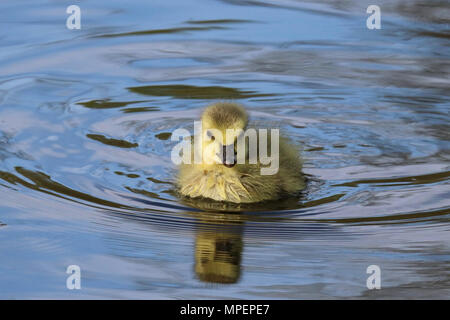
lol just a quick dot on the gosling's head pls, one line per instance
(222, 123)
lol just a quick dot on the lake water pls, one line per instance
(86, 177)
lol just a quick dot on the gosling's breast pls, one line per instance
(219, 186)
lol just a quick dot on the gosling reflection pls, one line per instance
(218, 252)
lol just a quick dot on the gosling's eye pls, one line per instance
(210, 135)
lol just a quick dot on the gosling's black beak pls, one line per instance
(228, 156)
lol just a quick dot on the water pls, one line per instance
(86, 177)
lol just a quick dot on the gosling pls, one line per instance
(219, 176)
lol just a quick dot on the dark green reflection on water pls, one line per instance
(140, 109)
(106, 104)
(219, 21)
(411, 180)
(112, 142)
(195, 92)
(163, 135)
(160, 31)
